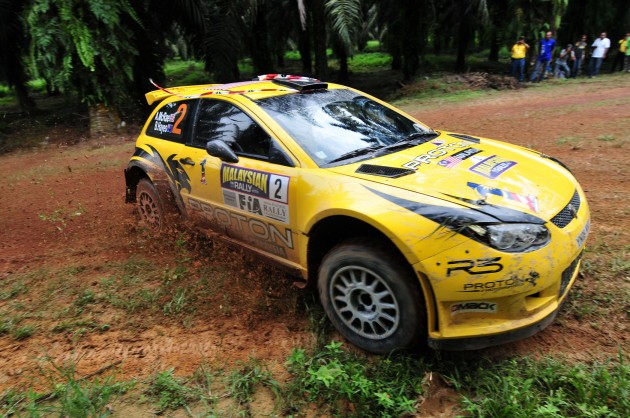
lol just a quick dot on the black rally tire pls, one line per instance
(151, 207)
(371, 297)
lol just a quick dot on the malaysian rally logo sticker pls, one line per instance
(256, 192)
(492, 167)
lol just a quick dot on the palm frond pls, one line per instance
(346, 20)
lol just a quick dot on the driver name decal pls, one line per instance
(256, 192)
(169, 121)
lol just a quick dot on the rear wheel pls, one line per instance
(371, 298)
(150, 205)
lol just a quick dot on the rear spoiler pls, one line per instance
(161, 94)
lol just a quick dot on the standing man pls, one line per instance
(628, 52)
(599, 51)
(621, 54)
(519, 52)
(545, 52)
(580, 54)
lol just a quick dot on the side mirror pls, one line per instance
(221, 150)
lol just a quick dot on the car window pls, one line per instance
(171, 121)
(331, 123)
(220, 120)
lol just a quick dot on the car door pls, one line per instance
(252, 200)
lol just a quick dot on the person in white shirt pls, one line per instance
(599, 51)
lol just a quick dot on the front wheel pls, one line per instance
(371, 298)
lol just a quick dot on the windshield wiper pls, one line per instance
(356, 153)
(415, 138)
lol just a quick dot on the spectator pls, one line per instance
(628, 52)
(599, 51)
(621, 54)
(566, 55)
(545, 52)
(580, 53)
(519, 52)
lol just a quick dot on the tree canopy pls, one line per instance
(105, 50)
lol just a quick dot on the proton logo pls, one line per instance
(572, 210)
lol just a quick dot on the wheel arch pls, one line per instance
(133, 174)
(137, 170)
(332, 230)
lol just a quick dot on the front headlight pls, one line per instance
(513, 238)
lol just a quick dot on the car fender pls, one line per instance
(154, 169)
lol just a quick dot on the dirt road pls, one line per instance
(85, 284)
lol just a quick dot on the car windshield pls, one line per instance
(336, 126)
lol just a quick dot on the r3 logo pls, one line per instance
(474, 267)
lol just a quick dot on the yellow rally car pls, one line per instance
(412, 235)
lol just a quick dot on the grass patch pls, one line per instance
(546, 388)
(185, 73)
(338, 382)
(79, 327)
(170, 392)
(24, 332)
(73, 396)
(364, 62)
(15, 290)
(59, 216)
(574, 142)
(606, 138)
(438, 90)
(348, 384)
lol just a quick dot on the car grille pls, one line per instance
(568, 273)
(566, 215)
(383, 171)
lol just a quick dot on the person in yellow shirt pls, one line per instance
(519, 52)
(621, 54)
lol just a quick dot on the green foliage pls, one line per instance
(185, 73)
(369, 61)
(346, 21)
(23, 332)
(169, 391)
(14, 291)
(546, 388)
(69, 396)
(243, 381)
(606, 138)
(75, 397)
(349, 384)
(87, 46)
(59, 216)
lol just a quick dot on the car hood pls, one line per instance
(490, 175)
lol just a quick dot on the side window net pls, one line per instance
(224, 121)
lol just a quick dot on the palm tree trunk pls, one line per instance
(103, 120)
(319, 22)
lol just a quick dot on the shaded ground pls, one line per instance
(85, 284)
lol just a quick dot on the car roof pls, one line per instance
(254, 90)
